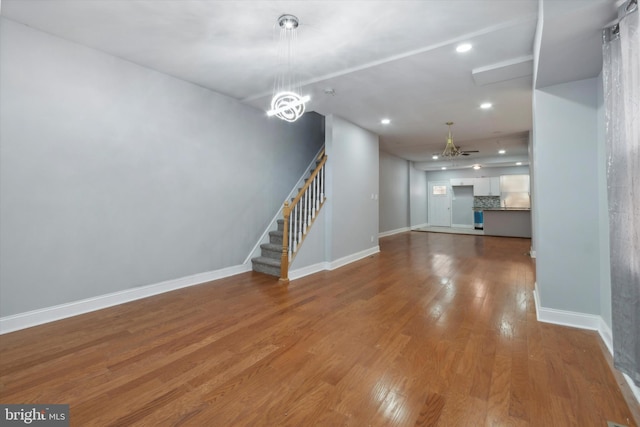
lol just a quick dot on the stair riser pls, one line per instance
(275, 239)
(269, 253)
(266, 269)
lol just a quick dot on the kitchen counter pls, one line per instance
(509, 222)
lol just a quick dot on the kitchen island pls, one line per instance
(509, 222)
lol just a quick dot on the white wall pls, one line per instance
(394, 193)
(566, 158)
(115, 176)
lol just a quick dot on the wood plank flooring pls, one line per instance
(436, 330)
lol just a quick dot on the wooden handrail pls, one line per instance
(285, 260)
(308, 183)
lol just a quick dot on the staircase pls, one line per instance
(271, 253)
(298, 216)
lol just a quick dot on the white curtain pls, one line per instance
(621, 74)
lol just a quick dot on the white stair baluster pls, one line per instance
(300, 221)
(290, 236)
(312, 197)
(306, 210)
(295, 228)
(318, 191)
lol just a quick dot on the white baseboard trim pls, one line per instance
(564, 317)
(461, 226)
(28, 319)
(582, 321)
(321, 266)
(341, 262)
(50, 314)
(634, 388)
(308, 270)
(392, 232)
(607, 336)
(426, 224)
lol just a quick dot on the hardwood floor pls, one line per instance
(436, 330)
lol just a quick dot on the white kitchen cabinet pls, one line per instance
(487, 186)
(462, 181)
(494, 189)
(482, 187)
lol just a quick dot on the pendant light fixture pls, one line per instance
(287, 103)
(450, 150)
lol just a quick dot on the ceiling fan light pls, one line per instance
(450, 150)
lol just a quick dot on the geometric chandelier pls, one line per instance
(287, 103)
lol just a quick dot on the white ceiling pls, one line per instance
(393, 59)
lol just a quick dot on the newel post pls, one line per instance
(284, 261)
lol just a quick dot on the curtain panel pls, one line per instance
(621, 75)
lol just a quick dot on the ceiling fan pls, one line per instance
(450, 150)
(468, 152)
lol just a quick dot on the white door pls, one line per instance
(439, 204)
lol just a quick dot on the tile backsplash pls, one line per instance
(486, 201)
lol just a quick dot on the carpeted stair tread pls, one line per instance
(267, 261)
(266, 265)
(271, 250)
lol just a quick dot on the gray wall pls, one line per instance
(462, 205)
(348, 222)
(394, 192)
(603, 209)
(115, 176)
(417, 197)
(313, 248)
(566, 155)
(353, 177)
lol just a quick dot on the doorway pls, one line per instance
(439, 204)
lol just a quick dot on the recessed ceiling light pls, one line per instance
(476, 167)
(443, 168)
(464, 47)
(519, 164)
(434, 157)
(502, 151)
(486, 105)
(385, 121)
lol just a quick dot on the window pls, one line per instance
(439, 190)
